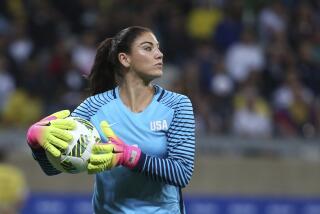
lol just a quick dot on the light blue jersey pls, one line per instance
(164, 131)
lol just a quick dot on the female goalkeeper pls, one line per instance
(150, 152)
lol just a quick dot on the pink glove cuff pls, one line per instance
(131, 157)
(35, 132)
(32, 135)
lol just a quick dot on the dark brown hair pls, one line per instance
(106, 64)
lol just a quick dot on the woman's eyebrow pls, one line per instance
(150, 43)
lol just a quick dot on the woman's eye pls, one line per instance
(148, 48)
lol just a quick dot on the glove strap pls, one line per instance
(131, 157)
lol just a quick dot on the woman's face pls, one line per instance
(145, 57)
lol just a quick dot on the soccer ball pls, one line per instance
(75, 158)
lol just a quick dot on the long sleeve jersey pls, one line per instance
(164, 131)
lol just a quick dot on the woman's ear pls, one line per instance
(124, 59)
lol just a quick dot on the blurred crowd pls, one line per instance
(251, 68)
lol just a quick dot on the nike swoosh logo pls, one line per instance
(112, 124)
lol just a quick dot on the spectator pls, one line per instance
(228, 30)
(22, 109)
(84, 52)
(303, 23)
(272, 20)
(21, 46)
(308, 67)
(203, 20)
(205, 58)
(293, 107)
(244, 57)
(175, 38)
(43, 23)
(222, 89)
(279, 56)
(13, 188)
(252, 114)
(7, 84)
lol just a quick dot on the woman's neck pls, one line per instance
(136, 94)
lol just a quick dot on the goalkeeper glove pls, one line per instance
(51, 133)
(111, 154)
(101, 158)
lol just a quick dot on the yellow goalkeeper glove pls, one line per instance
(51, 133)
(108, 155)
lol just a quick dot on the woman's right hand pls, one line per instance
(51, 133)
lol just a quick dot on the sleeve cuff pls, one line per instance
(40, 156)
(38, 153)
(140, 163)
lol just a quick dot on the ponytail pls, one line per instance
(102, 76)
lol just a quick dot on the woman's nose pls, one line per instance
(159, 54)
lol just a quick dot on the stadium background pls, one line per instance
(250, 67)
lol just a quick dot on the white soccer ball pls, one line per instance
(75, 158)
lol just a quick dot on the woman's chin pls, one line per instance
(156, 74)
